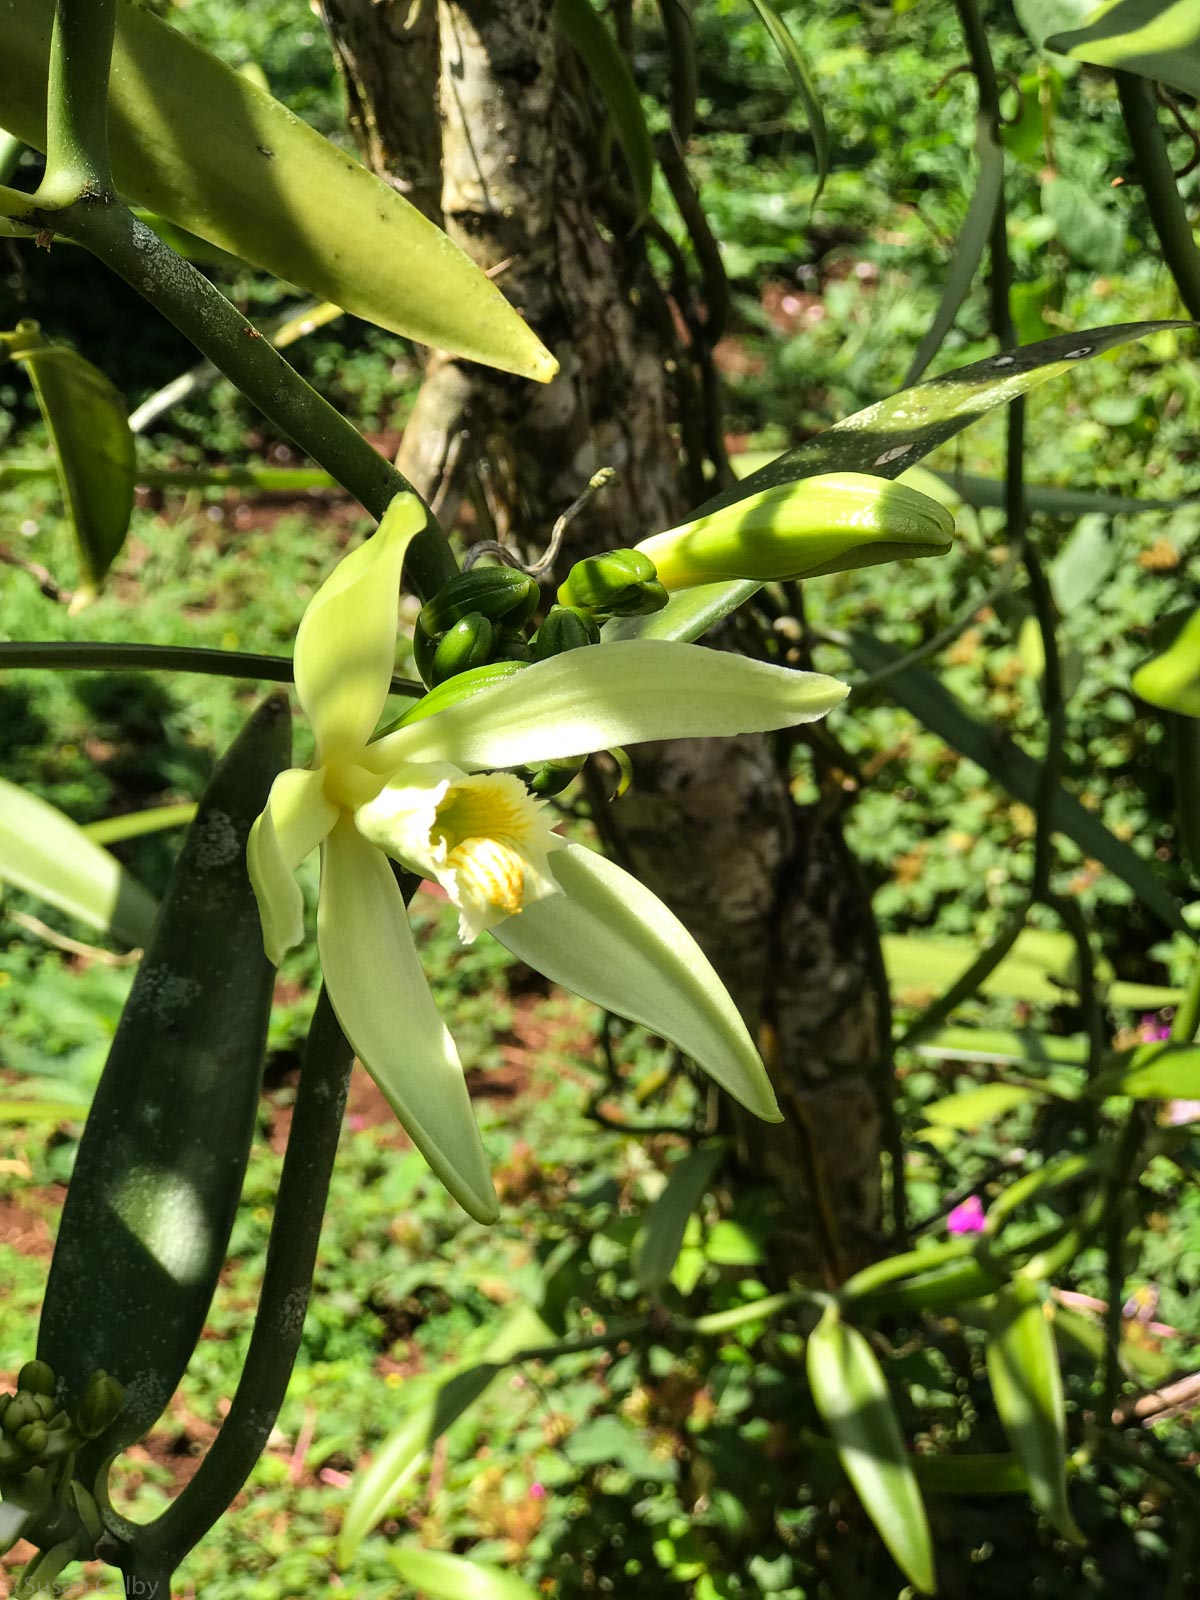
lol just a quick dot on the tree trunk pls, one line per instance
(767, 889)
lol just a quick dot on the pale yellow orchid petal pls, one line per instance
(610, 694)
(607, 938)
(297, 817)
(384, 1006)
(346, 644)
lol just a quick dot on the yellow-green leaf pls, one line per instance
(1022, 1363)
(851, 1393)
(1158, 39)
(211, 151)
(47, 855)
(973, 1107)
(446, 1577)
(93, 447)
(667, 1219)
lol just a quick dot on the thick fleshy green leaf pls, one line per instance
(398, 1458)
(159, 1172)
(1022, 1363)
(346, 642)
(93, 447)
(667, 1218)
(886, 439)
(209, 149)
(851, 1394)
(296, 818)
(383, 1003)
(590, 38)
(607, 938)
(1157, 39)
(47, 855)
(973, 1107)
(446, 1577)
(802, 78)
(1160, 1071)
(920, 692)
(606, 695)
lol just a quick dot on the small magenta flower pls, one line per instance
(968, 1217)
(1152, 1029)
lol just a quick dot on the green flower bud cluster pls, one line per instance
(476, 618)
(36, 1429)
(620, 583)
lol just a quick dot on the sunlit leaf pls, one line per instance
(590, 38)
(802, 78)
(667, 1218)
(50, 857)
(447, 1577)
(1022, 1363)
(1157, 39)
(851, 1394)
(210, 150)
(1159, 1071)
(973, 1107)
(402, 1453)
(93, 448)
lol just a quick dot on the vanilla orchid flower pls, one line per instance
(433, 796)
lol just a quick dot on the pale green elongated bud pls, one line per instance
(1171, 680)
(467, 644)
(829, 523)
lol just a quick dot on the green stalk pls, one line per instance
(1186, 1021)
(279, 1323)
(72, 655)
(1168, 214)
(77, 163)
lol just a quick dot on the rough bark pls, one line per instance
(711, 826)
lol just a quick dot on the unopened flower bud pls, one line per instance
(501, 594)
(1171, 679)
(565, 628)
(830, 523)
(32, 1438)
(552, 777)
(510, 644)
(36, 1377)
(101, 1403)
(21, 1409)
(620, 583)
(468, 644)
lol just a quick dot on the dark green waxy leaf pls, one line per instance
(1157, 39)
(1164, 1070)
(590, 38)
(93, 447)
(446, 1577)
(885, 439)
(667, 1218)
(1092, 233)
(851, 1394)
(921, 693)
(802, 78)
(47, 855)
(160, 1166)
(1022, 1363)
(398, 1458)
